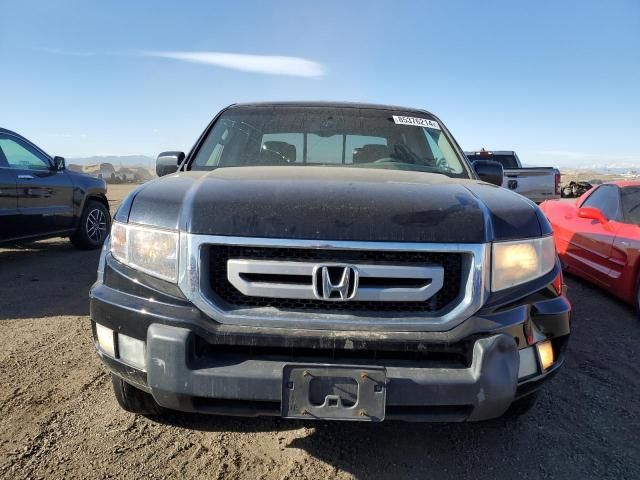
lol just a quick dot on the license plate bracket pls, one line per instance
(334, 392)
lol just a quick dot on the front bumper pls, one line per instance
(194, 364)
(179, 380)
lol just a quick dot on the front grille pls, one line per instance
(225, 291)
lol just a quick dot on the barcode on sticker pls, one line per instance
(415, 121)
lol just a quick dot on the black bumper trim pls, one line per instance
(179, 382)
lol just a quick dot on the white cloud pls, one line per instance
(267, 64)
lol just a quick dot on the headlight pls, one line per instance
(147, 249)
(521, 261)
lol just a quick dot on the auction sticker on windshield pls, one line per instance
(415, 121)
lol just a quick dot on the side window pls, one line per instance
(631, 205)
(21, 156)
(607, 200)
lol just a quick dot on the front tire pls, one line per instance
(94, 226)
(133, 399)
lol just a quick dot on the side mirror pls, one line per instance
(592, 214)
(168, 163)
(59, 163)
(489, 171)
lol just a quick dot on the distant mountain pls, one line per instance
(145, 161)
(632, 168)
(604, 169)
(116, 160)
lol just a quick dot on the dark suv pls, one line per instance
(40, 198)
(329, 261)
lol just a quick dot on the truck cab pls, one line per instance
(536, 183)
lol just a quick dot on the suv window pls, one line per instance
(605, 199)
(20, 155)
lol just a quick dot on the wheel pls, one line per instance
(521, 406)
(93, 227)
(133, 399)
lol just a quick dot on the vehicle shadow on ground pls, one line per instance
(406, 450)
(391, 449)
(46, 279)
(221, 423)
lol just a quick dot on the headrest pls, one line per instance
(370, 153)
(285, 150)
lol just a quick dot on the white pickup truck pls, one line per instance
(535, 183)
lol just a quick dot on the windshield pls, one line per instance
(631, 204)
(340, 137)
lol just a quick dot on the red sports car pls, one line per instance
(598, 237)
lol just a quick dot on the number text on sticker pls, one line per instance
(415, 121)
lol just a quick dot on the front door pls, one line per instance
(9, 224)
(592, 242)
(45, 195)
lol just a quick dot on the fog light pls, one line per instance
(528, 365)
(132, 351)
(545, 352)
(105, 340)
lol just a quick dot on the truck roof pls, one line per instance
(372, 106)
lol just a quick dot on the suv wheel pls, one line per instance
(521, 406)
(93, 227)
(133, 399)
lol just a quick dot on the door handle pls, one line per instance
(25, 177)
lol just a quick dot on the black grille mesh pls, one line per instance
(219, 254)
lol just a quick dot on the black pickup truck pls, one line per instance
(329, 261)
(40, 198)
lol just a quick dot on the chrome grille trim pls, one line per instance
(238, 269)
(194, 275)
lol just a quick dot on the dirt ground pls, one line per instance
(59, 419)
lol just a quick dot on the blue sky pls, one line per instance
(557, 81)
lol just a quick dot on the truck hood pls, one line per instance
(333, 203)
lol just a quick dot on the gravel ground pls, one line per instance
(59, 419)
